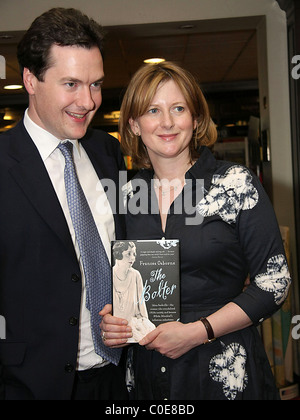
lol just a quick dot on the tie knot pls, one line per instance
(66, 149)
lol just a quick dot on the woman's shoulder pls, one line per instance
(228, 173)
(225, 166)
(233, 188)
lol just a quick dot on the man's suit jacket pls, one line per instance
(40, 280)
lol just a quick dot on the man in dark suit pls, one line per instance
(49, 352)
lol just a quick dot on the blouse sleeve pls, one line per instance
(261, 241)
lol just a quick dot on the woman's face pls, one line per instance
(167, 127)
(129, 257)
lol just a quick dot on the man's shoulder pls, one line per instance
(17, 129)
(7, 136)
(99, 138)
(99, 144)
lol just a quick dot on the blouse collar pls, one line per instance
(204, 168)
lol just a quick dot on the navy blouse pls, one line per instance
(227, 232)
(235, 233)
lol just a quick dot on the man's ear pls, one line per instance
(30, 81)
(135, 128)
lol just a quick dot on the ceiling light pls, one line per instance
(154, 60)
(184, 27)
(13, 87)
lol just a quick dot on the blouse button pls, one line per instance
(163, 370)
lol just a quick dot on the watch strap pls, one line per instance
(209, 330)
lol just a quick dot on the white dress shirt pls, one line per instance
(54, 162)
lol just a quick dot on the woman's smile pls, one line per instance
(168, 137)
(167, 127)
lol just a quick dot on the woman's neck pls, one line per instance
(171, 169)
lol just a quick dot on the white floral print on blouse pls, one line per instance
(229, 368)
(229, 194)
(277, 279)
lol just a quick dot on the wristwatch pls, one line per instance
(210, 332)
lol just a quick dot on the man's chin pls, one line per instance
(76, 134)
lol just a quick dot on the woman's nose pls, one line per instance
(167, 120)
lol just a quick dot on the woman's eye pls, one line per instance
(179, 108)
(153, 111)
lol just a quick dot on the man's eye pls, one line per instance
(70, 84)
(97, 85)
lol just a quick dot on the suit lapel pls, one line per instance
(30, 174)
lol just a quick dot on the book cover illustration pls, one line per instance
(146, 283)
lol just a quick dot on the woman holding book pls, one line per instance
(215, 351)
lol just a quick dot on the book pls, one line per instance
(289, 392)
(146, 283)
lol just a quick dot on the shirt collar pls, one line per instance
(45, 142)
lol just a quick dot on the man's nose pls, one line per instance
(85, 99)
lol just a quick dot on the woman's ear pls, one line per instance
(29, 80)
(195, 123)
(135, 128)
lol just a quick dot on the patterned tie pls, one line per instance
(97, 269)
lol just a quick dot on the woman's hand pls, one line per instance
(174, 339)
(115, 331)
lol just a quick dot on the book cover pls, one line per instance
(146, 283)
